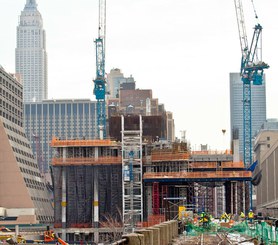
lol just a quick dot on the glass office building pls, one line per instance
(258, 110)
(64, 119)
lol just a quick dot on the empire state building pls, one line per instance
(30, 54)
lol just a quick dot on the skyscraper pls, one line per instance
(30, 54)
(23, 191)
(258, 108)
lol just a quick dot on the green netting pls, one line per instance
(261, 231)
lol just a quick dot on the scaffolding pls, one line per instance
(132, 175)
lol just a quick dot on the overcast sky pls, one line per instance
(183, 50)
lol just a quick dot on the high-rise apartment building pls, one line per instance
(64, 119)
(23, 193)
(258, 108)
(30, 54)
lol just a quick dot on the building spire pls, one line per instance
(31, 4)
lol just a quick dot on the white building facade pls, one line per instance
(30, 54)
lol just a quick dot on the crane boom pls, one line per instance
(241, 29)
(99, 82)
(251, 71)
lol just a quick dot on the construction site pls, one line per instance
(138, 183)
(131, 177)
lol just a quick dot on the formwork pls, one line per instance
(80, 193)
(87, 177)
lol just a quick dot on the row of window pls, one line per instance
(30, 172)
(15, 89)
(48, 219)
(11, 118)
(20, 142)
(26, 162)
(34, 184)
(14, 129)
(63, 109)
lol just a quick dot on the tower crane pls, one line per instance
(99, 82)
(251, 71)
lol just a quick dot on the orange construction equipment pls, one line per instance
(50, 236)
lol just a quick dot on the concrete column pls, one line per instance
(232, 197)
(148, 236)
(149, 199)
(243, 196)
(135, 239)
(16, 230)
(156, 235)
(236, 201)
(64, 203)
(96, 203)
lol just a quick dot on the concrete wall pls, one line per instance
(161, 234)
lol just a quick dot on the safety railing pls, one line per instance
(216, 164)
(86, 161)
(78, 142)
(198, 175)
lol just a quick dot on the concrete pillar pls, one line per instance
(96, 202)
(16, 230)
(156, 235)
(64, 203)
(149, 199)
(148, 236)
(135, 239)
(236, 201)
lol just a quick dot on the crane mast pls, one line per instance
(251, 71)
(100, 82)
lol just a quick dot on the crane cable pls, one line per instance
(255, 12)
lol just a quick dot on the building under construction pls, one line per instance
(134, 180)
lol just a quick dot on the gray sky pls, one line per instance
(181, 49)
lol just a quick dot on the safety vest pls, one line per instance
(242, 215)
(250, 215)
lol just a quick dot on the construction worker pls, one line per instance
(205, 219)
(250, 215)
(242, 216)
(224, 217)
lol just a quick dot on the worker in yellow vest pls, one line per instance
(225, 217)
(242, 216)
(250, 215)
